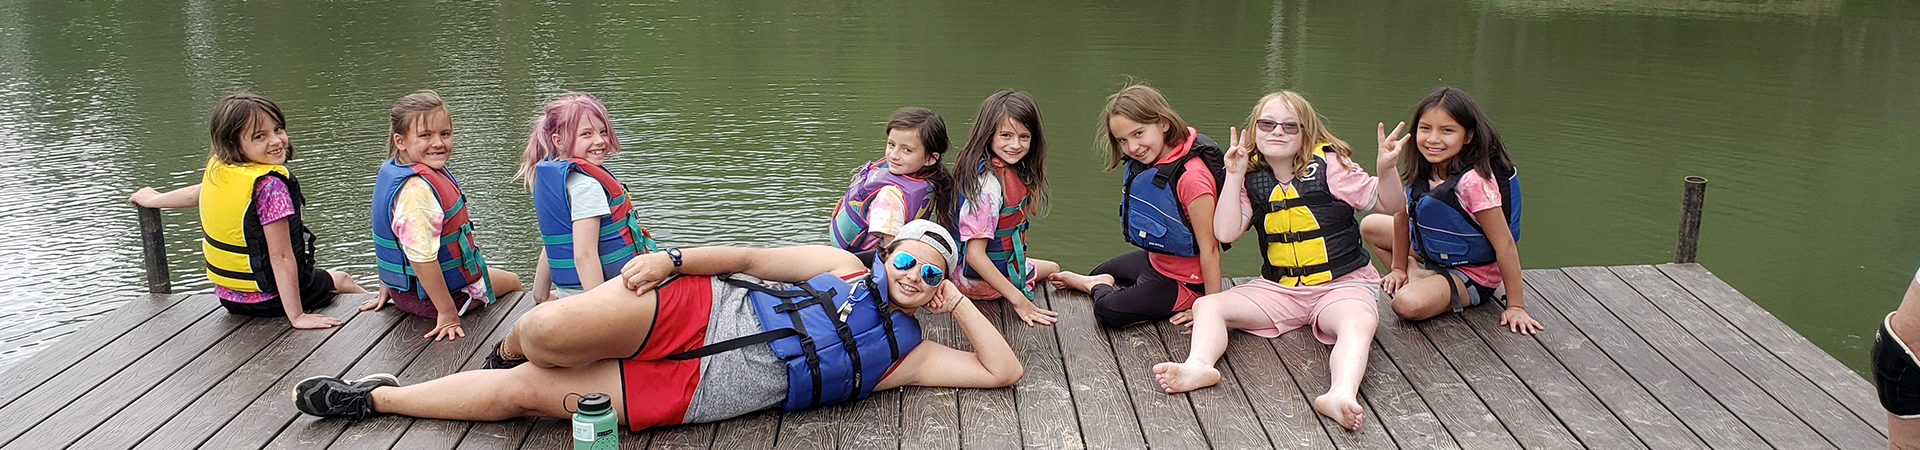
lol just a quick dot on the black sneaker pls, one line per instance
(495, 361)
(329, 396)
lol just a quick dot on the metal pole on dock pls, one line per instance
(155, 248)
(1690, 204)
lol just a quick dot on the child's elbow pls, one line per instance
(1011, 375)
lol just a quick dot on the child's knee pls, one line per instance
(1412, 306)
(1109, 317)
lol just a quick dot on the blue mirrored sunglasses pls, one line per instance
(928, 273)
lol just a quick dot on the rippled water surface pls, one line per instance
(741, 120)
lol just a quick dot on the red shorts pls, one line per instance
(657, 390)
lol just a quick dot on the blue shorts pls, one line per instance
(1476, 293)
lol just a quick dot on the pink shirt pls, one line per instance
(1347, 181)
(272, 203)
(1194, 183)
(1477, 194)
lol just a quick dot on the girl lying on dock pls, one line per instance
(709, 334)
(258, 253)
(1301, 189)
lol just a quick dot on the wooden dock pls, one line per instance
(1656, 357)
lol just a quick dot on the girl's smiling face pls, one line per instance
(429, 140)
(1440, 138)
(1143, 142)
(589, 139)
(905, 286)
(904, 153)
(1011, 140)
(264, 141)
(1278, 146)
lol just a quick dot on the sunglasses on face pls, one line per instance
(1266, 126)
(928, 273)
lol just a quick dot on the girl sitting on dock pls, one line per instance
(714, 333)
(1000, 175)
(1462, 216)
(420, 224)
(588, 226)
(1169, 191)
(1314, 271)
(259, 255)
(907, 183)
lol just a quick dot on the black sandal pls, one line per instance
(496, 361)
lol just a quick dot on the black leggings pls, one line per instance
(1149, 296)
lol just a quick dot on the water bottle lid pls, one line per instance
(594, 403)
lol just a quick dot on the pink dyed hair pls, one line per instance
(562, 116)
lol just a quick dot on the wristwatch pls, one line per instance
(674, 254)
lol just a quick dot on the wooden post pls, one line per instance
(1690, 204)
(154, 244)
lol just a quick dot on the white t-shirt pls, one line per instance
(588, 196)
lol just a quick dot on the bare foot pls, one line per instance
(1181, 377)
(1078, 282)
(1340, 409)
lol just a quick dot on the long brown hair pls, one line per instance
(1482, 151)
(974, 156)
(933, 140)
(1313, 133)
(1143, 104)
(235, 115)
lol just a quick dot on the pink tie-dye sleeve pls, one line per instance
(1476, 192)
(272, 200)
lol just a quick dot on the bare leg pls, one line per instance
(1377, 231)
(503, 281)
(1352, 325)
(1902, 434)
(484, 395)
(609, 322)
(344, 284)
(1212, 315)
(1426, 297)
(1078, 282)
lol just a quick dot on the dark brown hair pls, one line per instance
(974, 156)
(235, 115)
(933, 140)
(1482, 151)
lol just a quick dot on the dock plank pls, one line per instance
(28, 374)
(1518, 409)
(1106, 413)
(753, 431)
(1277, 400)
(1704, 415)
(1166, 420)
(229, 359)
(1459, 409)
(69, 418)
(1766, 416)
(1309, 365)
(1043, 398)
(90, 363)
(1828, 373)
(988, 417)
(1584, 416)
(1226, 417)
(1820, 411)
(265, 411)
(391, 355)
(679, 437)
(1606, 381)
(929, 416)
(33, 407)
(442, 434)
(439, 359)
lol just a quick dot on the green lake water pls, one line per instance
(741, 120)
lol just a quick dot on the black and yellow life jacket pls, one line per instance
(235, 247)
(1307, 236)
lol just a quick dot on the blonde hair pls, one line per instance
(1143, 104)
(562, 116)
(1313, 132)
(407, 111)
(233, 116)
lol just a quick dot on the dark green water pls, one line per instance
(742, 119)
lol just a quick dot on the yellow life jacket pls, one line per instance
(1307, 236)
(234, 245)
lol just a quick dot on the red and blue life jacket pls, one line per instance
(621, 236)
(459, 259)
(1008, 248)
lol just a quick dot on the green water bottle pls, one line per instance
(594, 425)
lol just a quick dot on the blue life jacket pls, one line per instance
(621, 236)
(1150, 208)
(1444, 234)
(460, 261)
(838, 338)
